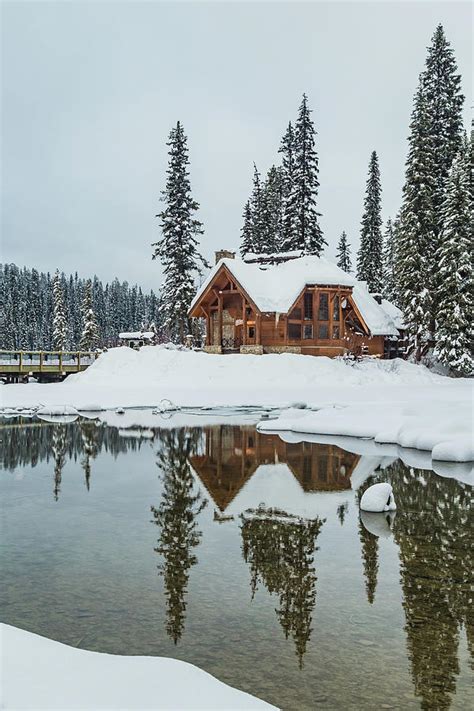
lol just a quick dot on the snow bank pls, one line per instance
(38, 673)
(392, 401)
(434, 424)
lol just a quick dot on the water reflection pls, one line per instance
(431, 534)
(230, 455)
(279, 549)
(176, 519)
(433, 531)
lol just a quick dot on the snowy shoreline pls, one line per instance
(39, 673)
(392, 402)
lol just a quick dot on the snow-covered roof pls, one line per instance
(148, 335)
(394, 313)
(274, 288)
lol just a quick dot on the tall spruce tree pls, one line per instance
(90, 331)
(389, 261)
(369, 256)
(273, 209)
(246, 233)
(306, 235)
(287, 150)
(178, 247)
(417, 234)
(344, 254)
(59, 314)
(455, 264)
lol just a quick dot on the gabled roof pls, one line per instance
(274, 288)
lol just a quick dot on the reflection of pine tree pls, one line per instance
(176, 519)
(58, 448)
(370, 548)
(433, 532)
(280, 552)
(342, 510)
(90, 447)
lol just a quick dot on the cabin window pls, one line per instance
(335, 309)
(308, 331)
(295, 314)
(323, 314)
(251, 331)
(323, 331)
(308, 307)
(335, 331)
(294, 331)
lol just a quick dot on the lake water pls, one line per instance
(243, 554)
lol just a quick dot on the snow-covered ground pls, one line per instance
(38, 673)
(391, 401)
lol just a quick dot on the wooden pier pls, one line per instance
(18, 366)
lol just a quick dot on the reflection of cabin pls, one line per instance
(231, 455)
(137, 339)
(300, 305)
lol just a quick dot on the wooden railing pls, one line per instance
(37, 362)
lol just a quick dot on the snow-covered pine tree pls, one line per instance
(178, 247)
(246, 233)
(287, 150)
(59, 314)
(417, 231)
(441, 88)
(90, 331)
(454, 331)
(344, 254)
(390, 291)
(369, 256)
(273, 210)
(440, 84)
(308, 236)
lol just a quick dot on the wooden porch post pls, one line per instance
(244, 322)
(258, 335)
(220, 299)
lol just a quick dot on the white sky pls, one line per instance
(90, 91)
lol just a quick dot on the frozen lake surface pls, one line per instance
(202, 539)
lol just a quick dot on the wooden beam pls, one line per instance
(244, 321)
(220, 301)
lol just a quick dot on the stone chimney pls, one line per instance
(224, 254)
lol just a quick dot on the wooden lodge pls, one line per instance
(298, 305)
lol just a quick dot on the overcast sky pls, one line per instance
(90, 91)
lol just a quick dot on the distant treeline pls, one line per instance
(26, 315)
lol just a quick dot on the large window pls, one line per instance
(308, 306)
(308, 331)
(294, 331)
(295, 314)
(335, 308)
(323, 331)
(323, 313)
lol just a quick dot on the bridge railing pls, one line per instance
(18, 361)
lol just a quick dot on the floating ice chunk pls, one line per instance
(120, 411)
(57, 410)
(91, 407)
(378, 498)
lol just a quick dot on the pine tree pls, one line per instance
(417, 232)
(455, 265)
(59, 322)
(90, 332)
(344, 254)
(369, 256)
(273, 209)
(246, 233)
(307, 235)
(287, 149)
(177, 249)
(390, 291)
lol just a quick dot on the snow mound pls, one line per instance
(38, 673)
(378, 498)
(57, 410)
